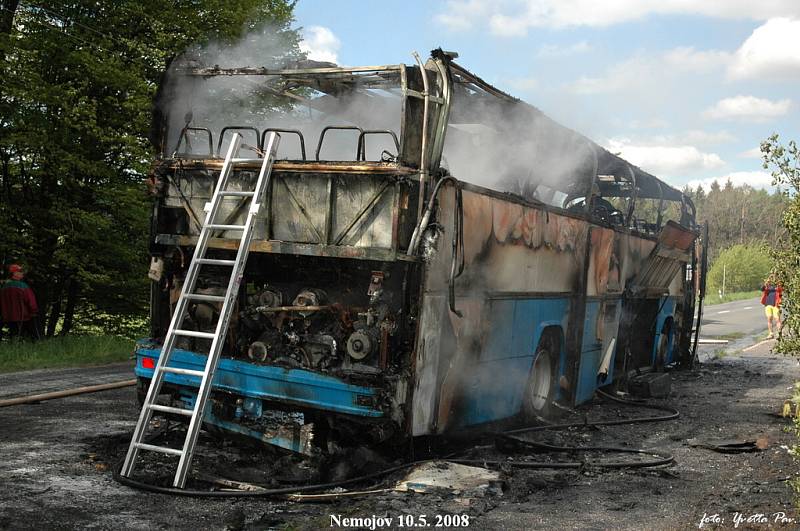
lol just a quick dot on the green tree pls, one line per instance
(75, 113)
(739, 215)
(784, 161)
(744, 268)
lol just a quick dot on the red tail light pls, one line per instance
(148, 363)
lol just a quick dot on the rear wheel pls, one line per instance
(541, 388)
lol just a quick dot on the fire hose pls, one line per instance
(660, 458)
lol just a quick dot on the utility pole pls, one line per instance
(724, 270)
(741, 225)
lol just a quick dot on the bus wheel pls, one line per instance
(541, 388)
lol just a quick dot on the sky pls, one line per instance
(685, 89)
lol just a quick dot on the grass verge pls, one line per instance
(713, 298)
(733, 336)
(70, 351)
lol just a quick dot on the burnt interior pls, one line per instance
(358, 322)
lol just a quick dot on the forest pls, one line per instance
(739, 215)
(76, 109)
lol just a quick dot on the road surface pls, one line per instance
(57, 456)
(25, 383)
(739, 317)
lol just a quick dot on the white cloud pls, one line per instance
(514, 17)
(756, 179)
(692, 137)
(748, 109)
(651, 70)
(524, 84)
(461, 15)
(773, 50)
(651, 123)
(691, 60)
(628, 74)
(705, 138)
(666, 160)
(320, 44)
(554, 50)
(754, 153)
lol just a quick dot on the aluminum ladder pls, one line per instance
(187, 296)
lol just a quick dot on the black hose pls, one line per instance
(663, 459)
(673, 414)
(255, 493)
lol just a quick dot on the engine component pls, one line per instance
(375, 283)
(309, 297)
(321, 348)
(269, 298)
(205, 313)
(362, 343)
(257, 351)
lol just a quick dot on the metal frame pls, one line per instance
(290, 131)
(237, 128)
(362, 147)
(337, 128)
(184, 135)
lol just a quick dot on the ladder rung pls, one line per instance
(168, 409)
(208, 298)
(215, 226)
(162, 449)
(236, 193)
(215, 261)
(186, 372)
(195, 333)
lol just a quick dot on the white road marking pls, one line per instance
(747, 308)
(724, 311)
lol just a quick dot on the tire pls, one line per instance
(540, 391)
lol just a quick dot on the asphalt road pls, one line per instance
(57, 457)
(39, 381)
(739, 317)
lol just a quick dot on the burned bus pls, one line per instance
(433, 256)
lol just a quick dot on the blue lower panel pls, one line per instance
(495, 390)
(289, 436)
(288, 386)
(667, 306)
(591, 354)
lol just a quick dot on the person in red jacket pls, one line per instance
(18, 304)
(771, 294)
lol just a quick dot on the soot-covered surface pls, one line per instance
(55, 471)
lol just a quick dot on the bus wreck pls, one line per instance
(388, 293)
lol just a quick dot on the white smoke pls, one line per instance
(514, 147)
(254, 101)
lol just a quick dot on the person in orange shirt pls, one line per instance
(771, 294)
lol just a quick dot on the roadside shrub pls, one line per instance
(784, 161)
(744, 268)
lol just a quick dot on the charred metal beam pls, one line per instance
(281, 247)
(263, 71)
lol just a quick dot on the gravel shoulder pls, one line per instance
(56, 459)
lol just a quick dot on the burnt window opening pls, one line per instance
(205, 106)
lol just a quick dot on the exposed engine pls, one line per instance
(346, 328)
